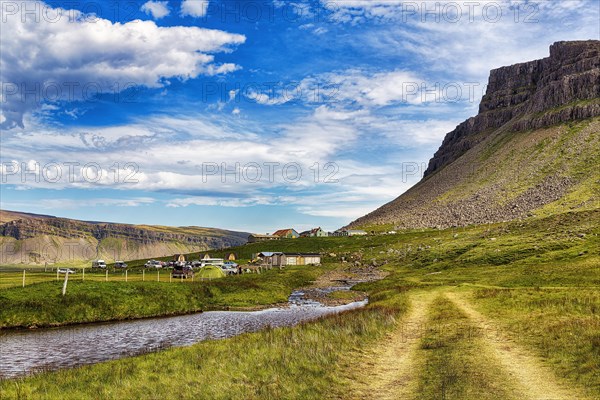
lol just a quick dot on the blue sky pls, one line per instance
(249, 115)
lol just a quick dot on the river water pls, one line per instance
(27, 352)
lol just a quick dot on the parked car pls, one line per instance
(229, 270)
(182, 271)
(230, 264)
(65, 271)
(99, 264)
(120, 264)
(153, 264)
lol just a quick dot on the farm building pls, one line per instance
(286, 233)
(255, 237)
(179, 258)
(316, 232)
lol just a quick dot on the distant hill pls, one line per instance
(34, 239)
(533, 149)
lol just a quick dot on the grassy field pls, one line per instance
(536, 282)
(561, 325)
(94, 300)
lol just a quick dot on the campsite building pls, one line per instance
(279, 259)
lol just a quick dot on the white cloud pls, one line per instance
(158, 9)
(170, 152)
(76, 56)
(72, 204)
(194, 8)
(220, 201)
(466, 39)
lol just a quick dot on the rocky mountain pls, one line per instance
(533, 149)
(31, 238)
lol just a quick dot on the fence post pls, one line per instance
(64, 291)
(106, 276)
(170, 278)
(157, 276)
(83, 275)
(125, 275)
(143, 275)
(23, 278)
(56, 273)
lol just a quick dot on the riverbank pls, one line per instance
(265, 364)
(42, 305)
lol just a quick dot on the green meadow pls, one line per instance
(535, 282)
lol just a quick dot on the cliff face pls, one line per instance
(35, 238)
(531, 95)
(534, 148)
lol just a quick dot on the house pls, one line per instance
(231, 257)
(179, 258)
(316, 232)
(286, 233)
(255, 237)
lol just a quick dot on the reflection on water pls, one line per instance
(25, 352)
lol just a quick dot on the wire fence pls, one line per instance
(14, 277)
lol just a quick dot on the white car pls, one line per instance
(229, 270)
(65, 271)
(99, 264)
(153, 264)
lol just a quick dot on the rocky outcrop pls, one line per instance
(533, 148)
(531, 95)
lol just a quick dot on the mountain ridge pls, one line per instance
(33, 238)
(534, 142)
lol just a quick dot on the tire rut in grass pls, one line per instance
(387, 371)
(534, 380)
(453, 362)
